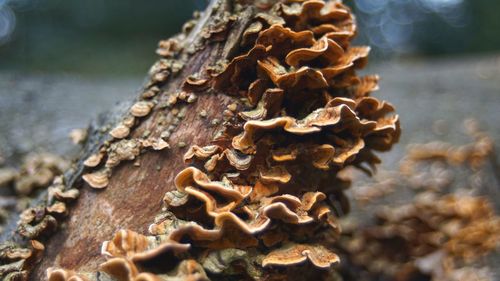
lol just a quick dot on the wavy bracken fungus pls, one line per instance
(266, 184)
(263, 196)
(39, 218)
(445, 233)
(16, 261)
(435, 235)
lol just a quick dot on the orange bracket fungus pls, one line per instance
(260, 198)
(264, 193)
(445, 231)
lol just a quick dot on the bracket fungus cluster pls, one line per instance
(446, 232)
(122, 145)
(261, 199)
(19, 186)
(262, 193)
(268, 182)
(16, 261)
(439, 236)
(437, 165)
(40, 173)
(37, 171)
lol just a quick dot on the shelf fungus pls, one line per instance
(16, 261)
(141, 249)
(58, 274)
(119, 132)
(268, 183)
(435, 236)
(444, 231)
(117, 152)
(38, 171)
(39, 221)
(98, 179)
(265, 192)
(141, 108)
(93, 160)
(294, 254)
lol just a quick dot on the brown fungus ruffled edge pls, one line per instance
(265, 185)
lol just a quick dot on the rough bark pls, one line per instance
(134, 194)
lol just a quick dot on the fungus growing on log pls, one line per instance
(141, 109)
(434, 235)
(301, 100)
(260, 191)
(121, 131)
(445, 232)
(266, 183)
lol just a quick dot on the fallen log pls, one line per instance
(262, 101)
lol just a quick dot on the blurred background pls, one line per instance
(118, 37)
(114, 37)
(63, 62)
